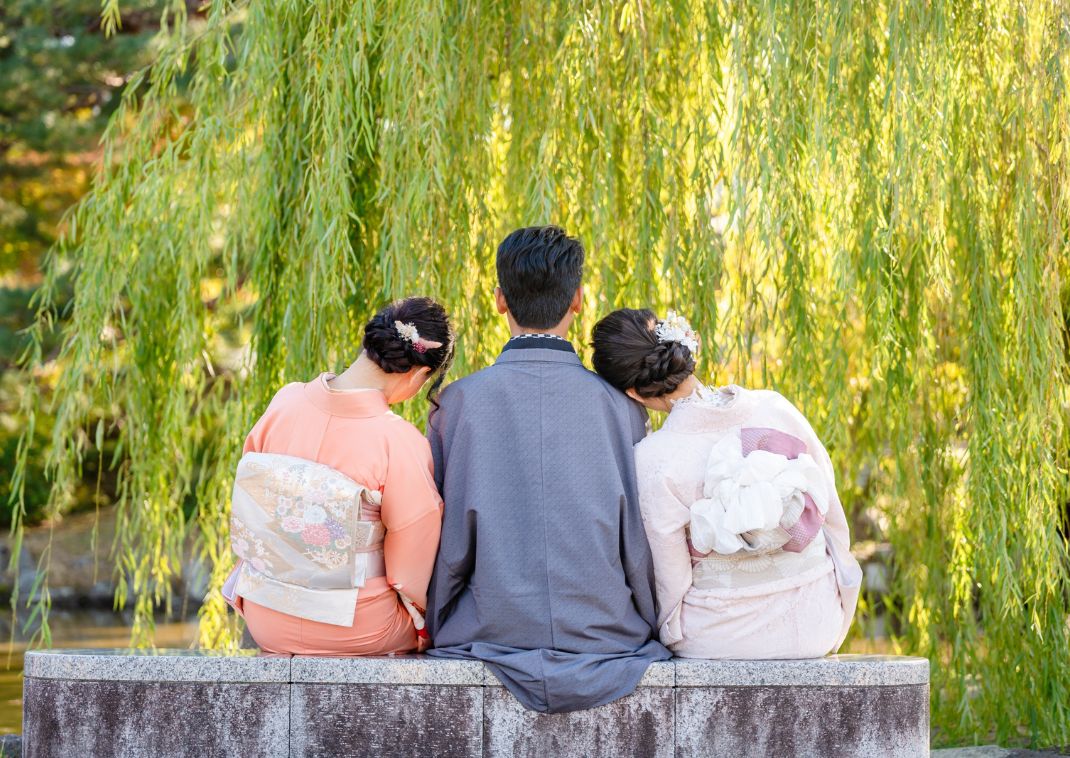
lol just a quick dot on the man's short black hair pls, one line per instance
(539, 270)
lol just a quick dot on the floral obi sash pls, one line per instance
(308, 537)
(764, 503)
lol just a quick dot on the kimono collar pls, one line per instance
(539, 349)
(539, 342)
(347, 403)
(700, 413)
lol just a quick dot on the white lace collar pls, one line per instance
(715, 397)
(709, 408)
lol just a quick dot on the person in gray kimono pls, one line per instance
(543, 570)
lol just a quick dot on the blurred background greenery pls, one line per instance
(60, 82)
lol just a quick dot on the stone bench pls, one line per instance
(186, 703)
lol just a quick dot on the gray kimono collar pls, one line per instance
(540, 354)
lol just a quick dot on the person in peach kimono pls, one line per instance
(336, 517)
(738, 498)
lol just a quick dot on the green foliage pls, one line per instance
(863, 205)
(59, 84)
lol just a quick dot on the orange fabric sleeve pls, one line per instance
(412, 516)
(254, 441)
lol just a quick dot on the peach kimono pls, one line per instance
(354, 434)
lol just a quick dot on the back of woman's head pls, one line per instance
(629, 355)
(389, 344)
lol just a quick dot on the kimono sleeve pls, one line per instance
(837, 530)
(456, 553)
(254, 440)
(665, 519)
(257, 439)
(412, 516)
(634, 550)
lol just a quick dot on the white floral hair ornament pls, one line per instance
(409, 333)
(675, 328)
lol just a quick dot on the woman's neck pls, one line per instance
(363, 374)
(686, 389)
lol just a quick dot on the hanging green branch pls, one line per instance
(864, 205)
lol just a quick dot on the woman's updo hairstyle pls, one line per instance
(628, 355)
(393, 353)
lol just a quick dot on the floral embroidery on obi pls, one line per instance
(303, 523)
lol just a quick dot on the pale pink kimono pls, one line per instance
(788, 591)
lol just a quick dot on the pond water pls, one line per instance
(79, 628)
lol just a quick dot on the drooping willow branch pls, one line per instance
(863, 205)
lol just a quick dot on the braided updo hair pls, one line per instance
(628, 355)
(394, 354)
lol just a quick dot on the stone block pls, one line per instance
(186, 703)
(803, 721)
(387, 669)
(11, 746)
(386, 720)
(156, 665)
(78, 717)
(832, 671)
(640, 724)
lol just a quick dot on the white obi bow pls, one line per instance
(751, 503)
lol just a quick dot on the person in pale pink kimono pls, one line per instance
(750, 543)
(336, 517)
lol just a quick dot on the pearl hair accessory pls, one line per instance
(675, 328)
(409, 333)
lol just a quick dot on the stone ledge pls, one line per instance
(156, 666)
(401, 669)
(833, 671)
(246, 666)
(142, 703)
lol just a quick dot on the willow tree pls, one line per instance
(862, 204)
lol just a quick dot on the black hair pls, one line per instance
(394, 354)
(539, 270)
(628, 355)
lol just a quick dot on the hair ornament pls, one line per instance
(675, 328)
(409, 333)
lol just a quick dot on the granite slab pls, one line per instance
(658, 674)
(137, 719)
(833, 671)
(803, 721)
(641, 724)
(156, 666)
(390, 669)
(386, 720)
(182, 702)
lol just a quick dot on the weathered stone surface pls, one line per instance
(156, 666)
(147, 719)
(11, 746)
(804, 721)
(833, 671)
(386, 720)
(135, 703)
(391, 669)
(640, 724)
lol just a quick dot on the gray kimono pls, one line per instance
(544, 571)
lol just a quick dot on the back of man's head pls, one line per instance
(539, 270)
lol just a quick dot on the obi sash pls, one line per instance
(308, 537)
(761, 515)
